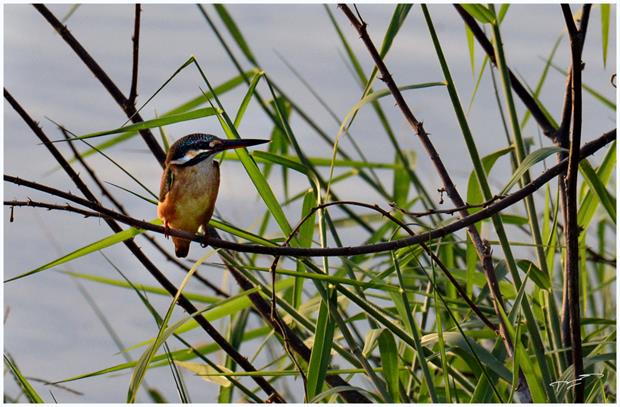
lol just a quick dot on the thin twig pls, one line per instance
(449, 211)
(105, 80)
(133, 90)
(593, 255)
(563, 131)
(51, 206)
(587, 150)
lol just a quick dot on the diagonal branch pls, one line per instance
(548, 129)
(105, 80)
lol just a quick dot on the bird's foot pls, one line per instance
(166, 230)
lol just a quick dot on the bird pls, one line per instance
(190, 183)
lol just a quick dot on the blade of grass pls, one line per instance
(160, 360)
(249, 164)
(206, 372)
(605, 17)
(414, 332)
(470, 47)
(247, 98)
(321, 352)
(526, 163)
(440, 341)
(480, 13)
(306, 231)
(239, 326)
(69, 13)
(218, 310)
(265, 157)
(543, 77)
(534, 381)
(149, 124)
(140, 287)
(389, 361)
(485, 61)
(137, 195)
(235, 32)
(588, 205)
(595, 184)
(24, 384)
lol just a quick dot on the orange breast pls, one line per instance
(191, 200)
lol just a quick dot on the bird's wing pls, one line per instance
(166, 183)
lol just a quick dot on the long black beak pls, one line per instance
(238, 143)
(221, 146)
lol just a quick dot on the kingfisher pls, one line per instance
(190, 182)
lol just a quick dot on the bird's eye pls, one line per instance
(214, 143)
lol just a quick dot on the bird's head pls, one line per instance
(194, 148)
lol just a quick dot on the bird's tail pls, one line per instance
(181, 246)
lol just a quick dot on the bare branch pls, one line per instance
(50, 206)
(105, 80)
(449, 211)
(563, 139)
(572, 229)
(133, 90)
(587, 150)
(548, 129)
